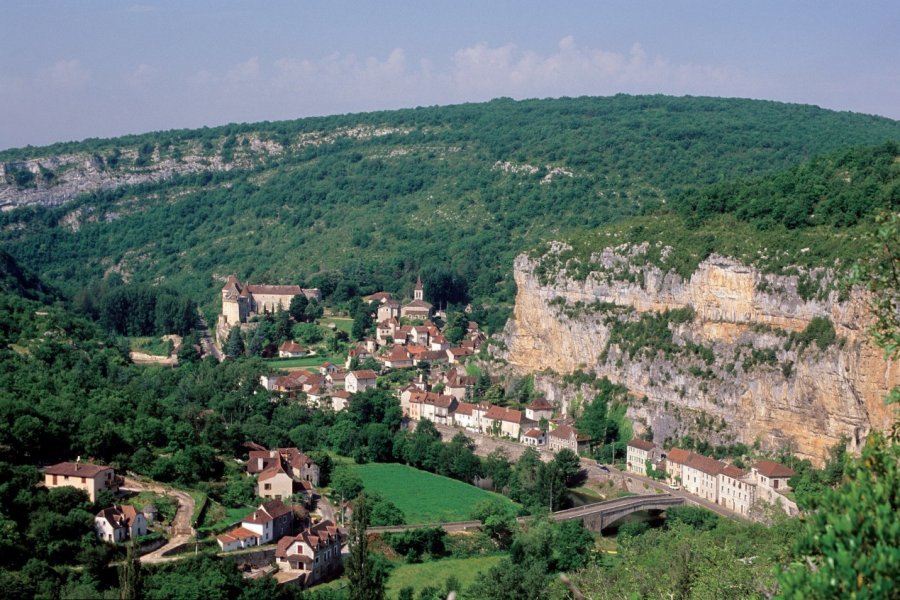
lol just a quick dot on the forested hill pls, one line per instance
(373, 199)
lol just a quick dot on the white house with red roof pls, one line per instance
(360, 381)
(539, 409)
(502, 421)
(119, 523)
(271, 521)
(638, 452)
(291, 350)
(534, 437)
(236, 539)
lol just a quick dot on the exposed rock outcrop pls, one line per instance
(732, 372)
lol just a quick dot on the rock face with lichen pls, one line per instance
(727, 355)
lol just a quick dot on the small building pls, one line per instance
(398, 358)
(418, 309)
(737, 490)
(502, 421)
(118, 524)
(360, 381)
(291, 350)
(534, 437)
(340, 400)
(270, 521)
(315, 554)
(566, 436)
(281, 472)
(700, 475)
(773, 480)
(539, 409)
(638, 453)
(236, 539)
(387, 310)
(458, 355)
(90, 478)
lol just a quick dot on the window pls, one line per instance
(267, 486)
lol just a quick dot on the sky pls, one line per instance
(79, 69)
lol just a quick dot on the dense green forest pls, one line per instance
(377, 198)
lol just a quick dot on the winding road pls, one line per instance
(181, 524)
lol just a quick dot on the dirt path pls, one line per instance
(181, 525)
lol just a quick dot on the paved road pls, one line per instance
(206, 341)
(485, 444)
(181, 525)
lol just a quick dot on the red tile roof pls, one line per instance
(733, 472)
(567, 432)
(767, 468)
(500, 413)
(540, 404)
(641, 444)
(76, 469)
(533, 433)
(464, 408)
(705, 464)
(365, 374)
(677, 455)
(237, 534)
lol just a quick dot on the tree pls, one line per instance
(297, 308)
(346, 483)
(569, 465)
(130, 576)
(366, 579)
(851, 543)
(234, 344)
(572, 545)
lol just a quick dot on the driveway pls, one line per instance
(181, 524)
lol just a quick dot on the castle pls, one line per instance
(239, 302)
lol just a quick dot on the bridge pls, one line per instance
(601, 515)
(595, 516)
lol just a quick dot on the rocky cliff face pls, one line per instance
(737, 367)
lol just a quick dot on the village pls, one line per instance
(296, 531)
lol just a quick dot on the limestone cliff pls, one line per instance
(732, 367)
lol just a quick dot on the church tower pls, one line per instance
(418, 292)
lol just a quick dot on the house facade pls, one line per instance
(90, 478)
(270, 521)
(737, 490)
(359, 381)
(638, 453)
(118, 524)
(313, 555)
(566, 436)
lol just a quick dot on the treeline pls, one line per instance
(140, 310)
(839, 189)
(446, 190)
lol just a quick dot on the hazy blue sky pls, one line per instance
(71, 70)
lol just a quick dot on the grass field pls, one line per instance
(306, 361)
(341, 323)
(436, 573)
(423, 497)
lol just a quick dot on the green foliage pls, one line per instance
(418, 544)
(692, 516)
(140, 310)
(596, 420)
(851, 544)
(365, 576)
(443, 203)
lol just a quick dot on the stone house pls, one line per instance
(398, 358)
(117, 524)
(90, 478)
(340, 400)
(502, 421)
(737, 490)
(240, 301)
(539, 409)
(700, 475)
(282, 472)
(270, 521)
(566, 436)
(389, 310)
(458, 355)
(638, 453)
(468, 416)
(360, 381)
(773, 480)
(314, 555)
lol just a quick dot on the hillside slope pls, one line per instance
(379, 197)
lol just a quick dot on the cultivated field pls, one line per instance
(423, 497)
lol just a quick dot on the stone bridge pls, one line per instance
(595, 516)
(601, 515)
